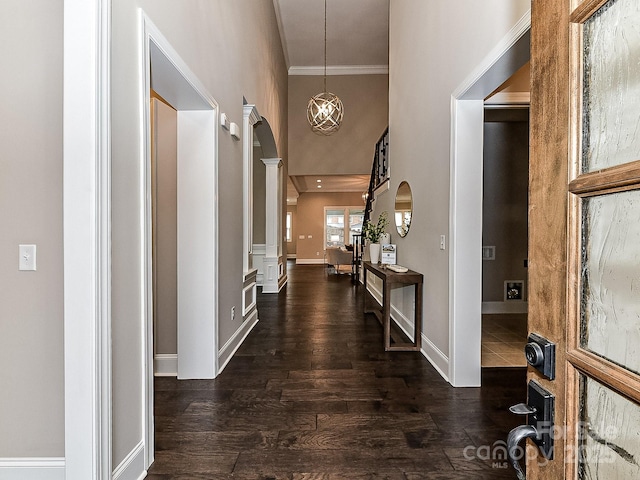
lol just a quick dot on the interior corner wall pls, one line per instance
(350, 149)
(31, 302)
(310, 215)
(505, 206)
(234, 50)
(164, 139)
(434, 46)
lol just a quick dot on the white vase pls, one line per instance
(374, 252)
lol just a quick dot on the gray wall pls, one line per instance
(234, 49)
(164, 156)
(350, 149)
(31, 313)
(434, 46)
(31, 326)
(505, 204)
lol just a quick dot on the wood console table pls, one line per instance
(390, 278)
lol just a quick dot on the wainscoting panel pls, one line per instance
(132, 467)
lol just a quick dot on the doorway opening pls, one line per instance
(465, 261)
(505, 226)
(196, 276)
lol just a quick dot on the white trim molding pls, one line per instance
(508, 99)
(310, 261)
(436, 358)
(250, 117)
(198, 117)
(32, 468)
(229, 349)
(87, 239)
(249, 292)
(165, 365)
(504, 307)
(272, 278)
(465, 215)
(132, 467)
(341, 70)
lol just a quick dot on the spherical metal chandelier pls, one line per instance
(325, 110)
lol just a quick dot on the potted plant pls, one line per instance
(373, 232)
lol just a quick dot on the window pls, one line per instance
(337, 230)
(289, 220)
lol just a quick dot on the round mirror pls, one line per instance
(403, 211)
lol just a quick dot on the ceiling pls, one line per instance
(357, 43)
(326, 183)
(357, 36)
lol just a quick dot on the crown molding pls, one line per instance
(508, 99)
(341, 70)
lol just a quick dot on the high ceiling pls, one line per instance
(357, 35)
(357, 43)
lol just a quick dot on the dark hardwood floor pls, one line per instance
(311, 394)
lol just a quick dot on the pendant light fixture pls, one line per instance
(325, 110)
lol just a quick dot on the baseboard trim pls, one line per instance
(132, 467)
(309, 261)
(406, 325)
(52, 468)
(435, 357)
(229, 349)
(513, 306)
(166, 365)
(429, 350)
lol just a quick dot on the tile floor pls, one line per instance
(503, 339)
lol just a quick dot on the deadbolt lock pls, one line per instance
(541, 354)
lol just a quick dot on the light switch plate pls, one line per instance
(27, 257)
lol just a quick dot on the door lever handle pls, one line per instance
(513, 439)
(522, 409)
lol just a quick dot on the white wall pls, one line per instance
(234, 50)
(434, 46)
(31, 313)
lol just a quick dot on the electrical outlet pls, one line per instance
(442, 242)
(233, 313)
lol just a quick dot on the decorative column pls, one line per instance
(273, 269)
(250, 117)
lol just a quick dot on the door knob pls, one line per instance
(513, 439)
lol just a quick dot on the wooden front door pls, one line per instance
(584, 269)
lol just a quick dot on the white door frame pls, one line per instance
(87, 239)
(197, 216)
(465, 222)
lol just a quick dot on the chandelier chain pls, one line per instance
(325, 110)
(325, 46)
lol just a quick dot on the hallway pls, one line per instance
(311, 394)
